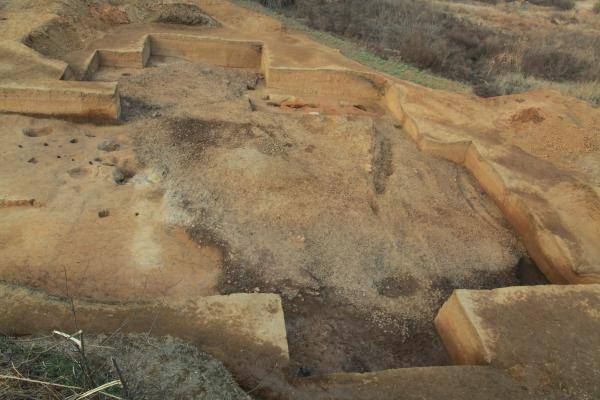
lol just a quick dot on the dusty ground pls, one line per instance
(363, 235)
(361, 244)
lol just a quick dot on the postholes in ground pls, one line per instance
(78, 172)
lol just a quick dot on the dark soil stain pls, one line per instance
(133, 108)
(326, 335)
(397, 287)
(199, 135)
(383, 167)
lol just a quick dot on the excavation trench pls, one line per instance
(271, 202)
(273, 188)
(327, 201)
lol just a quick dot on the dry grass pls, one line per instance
(560, 4)
(517, 83)
(42, 369)
(356, 51)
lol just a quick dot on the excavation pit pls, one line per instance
(256, 164)
(356, 298)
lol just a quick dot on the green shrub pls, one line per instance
(597, 7)
(516, 83)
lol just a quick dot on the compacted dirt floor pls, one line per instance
(362, 235)
(200, 191)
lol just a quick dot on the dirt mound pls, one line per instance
(183, 14)
(79, 22)
(74, 24)
(528, 115)
(110, 14)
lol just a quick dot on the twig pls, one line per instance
(70, 337)
(112, 396)
(16, 378)
(70, 298)
(252, 105)
(126, 393)
(99, 389)
(262, 381)
(79, 343)
(106, 339)
(84, 364)
(20, 377)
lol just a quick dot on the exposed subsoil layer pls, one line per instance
(361, 234)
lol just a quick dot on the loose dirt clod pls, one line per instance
(109, 146)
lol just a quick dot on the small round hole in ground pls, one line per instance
(122, 175)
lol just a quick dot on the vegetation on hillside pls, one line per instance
(428, 36)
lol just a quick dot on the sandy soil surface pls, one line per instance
(363, 235)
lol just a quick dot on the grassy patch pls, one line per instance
(52, 364)
(38, 363)
(517, 83)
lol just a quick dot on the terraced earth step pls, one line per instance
(544, 336)
(245, 331)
